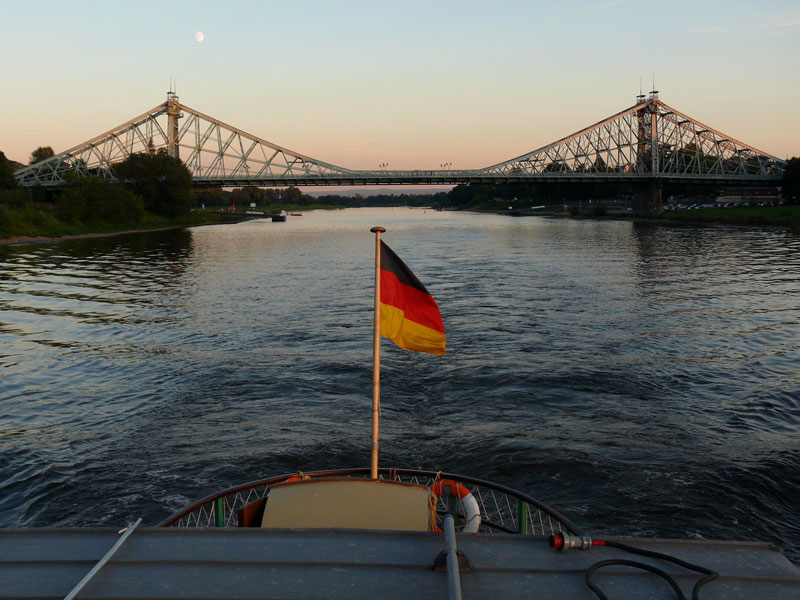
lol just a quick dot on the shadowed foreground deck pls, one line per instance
(294, 563)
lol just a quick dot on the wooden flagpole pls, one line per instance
(376, 354)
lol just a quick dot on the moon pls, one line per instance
(199, 36)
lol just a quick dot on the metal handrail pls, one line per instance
(102, 562)
(382, 473)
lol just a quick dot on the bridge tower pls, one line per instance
(645, 144)
(173, 113)
(647, 194)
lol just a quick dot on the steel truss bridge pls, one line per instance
(647, 143)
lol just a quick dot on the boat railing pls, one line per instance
(503, 509)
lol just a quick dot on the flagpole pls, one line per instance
(376, 354)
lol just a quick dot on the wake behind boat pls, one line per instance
(370, 532)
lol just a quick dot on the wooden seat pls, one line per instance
(344, 503)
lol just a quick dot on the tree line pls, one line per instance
(160, 184)
(293, 197)
(482, 195)
(150, 182)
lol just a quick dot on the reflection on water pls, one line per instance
(644, 379)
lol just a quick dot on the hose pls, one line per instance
(565, 541)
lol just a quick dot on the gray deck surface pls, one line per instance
(264, 563)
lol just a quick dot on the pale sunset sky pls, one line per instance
(414, 84)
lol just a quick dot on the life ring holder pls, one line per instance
(472, 514)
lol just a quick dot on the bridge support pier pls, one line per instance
(647, 197)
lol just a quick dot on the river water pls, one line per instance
(643, 379)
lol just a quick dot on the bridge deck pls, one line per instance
(437, 178)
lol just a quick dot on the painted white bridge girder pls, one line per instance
(646, 141)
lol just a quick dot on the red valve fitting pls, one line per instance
(564, 541)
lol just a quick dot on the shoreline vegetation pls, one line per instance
(62, 232)
(777, 216)
(156, 193)
(780, 216)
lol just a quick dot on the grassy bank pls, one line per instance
(39, 221)
(783, 216)
(787, 216)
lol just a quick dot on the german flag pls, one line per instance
(409, 314)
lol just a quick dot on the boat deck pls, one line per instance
(304, 563)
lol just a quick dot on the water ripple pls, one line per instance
(643, 379)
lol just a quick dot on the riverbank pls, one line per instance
(62, 232)
(781, 216)
(785, 215)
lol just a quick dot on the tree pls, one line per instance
(291, 195)
(790, 188)
(41, 153)
(163, 182)
(7, 181)
(465, 195)
(94, 200)
(558, 166)
(600, 165)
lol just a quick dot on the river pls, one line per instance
(643, 379)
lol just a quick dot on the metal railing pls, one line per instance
(503, 509)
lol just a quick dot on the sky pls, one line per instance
(412, 84)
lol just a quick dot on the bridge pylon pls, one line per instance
(647, 145)
(647, 141)
(215, 153)
(173, 114)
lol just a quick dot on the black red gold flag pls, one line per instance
(409, 314)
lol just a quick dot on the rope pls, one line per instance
(432, 500)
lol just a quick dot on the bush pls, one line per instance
(8, 218)
(71, 206)
(790, 186)
(26, 220)
(598, 210)
(93, 200)
(7, 181)
(15, 198)
(163, 182)
(34, 215)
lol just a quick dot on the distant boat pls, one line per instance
(296, 214)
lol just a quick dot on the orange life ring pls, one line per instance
(472, 513)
